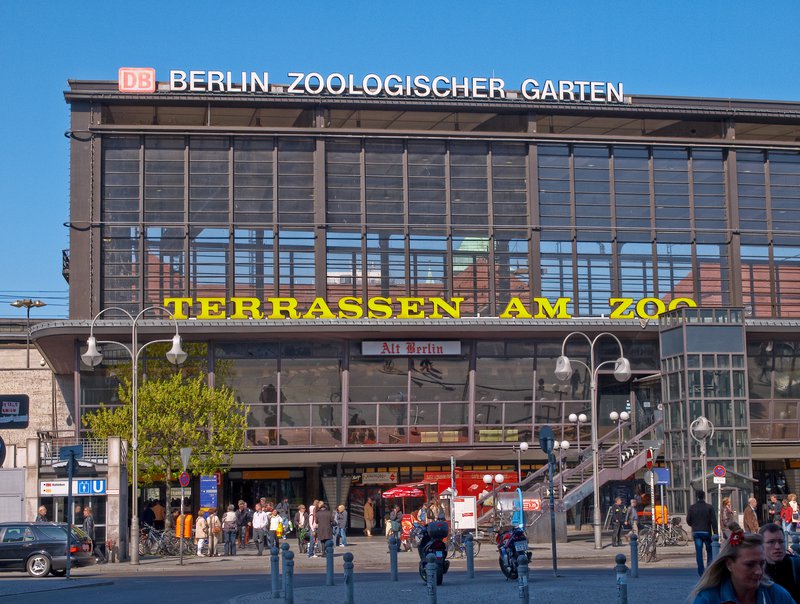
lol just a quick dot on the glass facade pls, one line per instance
(305, 217)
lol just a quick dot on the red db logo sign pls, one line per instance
(137, 79)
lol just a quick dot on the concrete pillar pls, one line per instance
(31, 479)
(117, 498)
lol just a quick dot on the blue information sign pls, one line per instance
(662, 476)
(208, 491)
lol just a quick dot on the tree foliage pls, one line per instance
(176, 412)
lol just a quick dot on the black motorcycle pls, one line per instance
(511, 542)
(432, 542)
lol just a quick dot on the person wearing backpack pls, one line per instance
(782, 567)
(229, 530)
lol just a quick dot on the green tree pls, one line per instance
(173, 413)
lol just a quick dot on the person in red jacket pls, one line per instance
(786, 517)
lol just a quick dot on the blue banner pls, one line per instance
(208, 491)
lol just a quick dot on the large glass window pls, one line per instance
(384, 182)
(509, 184)
(208, 180)
(254, 262)
(164, 160)
(296, 181)
(253, 180)
(554, 188)
(469, 187)
(426, 183)
(343, 182)
(592, 187)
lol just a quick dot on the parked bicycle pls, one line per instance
(456, 545)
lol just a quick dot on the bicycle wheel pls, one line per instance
(452, 548)
(476, 548)
(681, 536)
(650, 551)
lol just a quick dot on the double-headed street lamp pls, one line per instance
(520, 449)
(622, 371)
(94, 356)
(619, 419)
(27, 304)
(490, 480)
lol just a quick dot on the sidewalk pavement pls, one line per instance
(371, 567)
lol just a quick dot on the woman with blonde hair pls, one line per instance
(737, 574)
(795, 510)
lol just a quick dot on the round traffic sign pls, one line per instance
(719, 471)
(649, 477)
(183, 479)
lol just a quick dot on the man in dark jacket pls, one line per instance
(324, 525)
(783, 568)
(244, 519)
(703, 521)
(617, 521)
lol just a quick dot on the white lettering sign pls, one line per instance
(394, 85)
(80, 486)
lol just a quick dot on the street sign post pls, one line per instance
(719, 480)
(183, 479)
(71, 456)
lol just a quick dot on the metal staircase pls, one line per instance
(616, 462)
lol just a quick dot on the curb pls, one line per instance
(25, 588)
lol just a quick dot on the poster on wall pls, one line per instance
(208, 491)
(13, 411)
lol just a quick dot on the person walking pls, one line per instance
(89, 529)
(275, 522)
(41, 515)
(727, 516)
(774, 510)
(751, 523)
(395, 522)
(737, 574)
(703, 521)
(244, 521)
(260, 527)
(200, 533)
(369, 517)
(786, 517)
(324, 525)
(617, 522)
(214, 532)
(229, 531)
(312, 528)
(632, 518)
(283, 508)
(782, 567)
(340, 526)
(301, 526)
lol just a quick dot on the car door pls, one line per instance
(11, 546)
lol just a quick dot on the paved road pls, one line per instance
(572, 585)
(244, 579)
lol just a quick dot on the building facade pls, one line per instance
(387, 279)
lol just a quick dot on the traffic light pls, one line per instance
(649, 462)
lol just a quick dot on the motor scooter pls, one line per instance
(511, 542)
(432, 542)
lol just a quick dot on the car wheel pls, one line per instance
(38, 565)
(58, 573)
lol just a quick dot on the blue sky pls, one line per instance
(710, 49)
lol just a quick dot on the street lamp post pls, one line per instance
(490, 480)
(622, 372)
(520, 449)
(702, 430)
(562, 448)
(27, 304)
(578, 419)
(619, 419)
(94, 356)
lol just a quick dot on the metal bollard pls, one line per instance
(275, 571)
(796, 544)
(634, 555)
(288, 580)
(622, 579)
(329, 562)
(393, 544)
(430, 576)
(522, 578)
(469, 545)
(714, 548)
(348, 578)
(284, 551)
